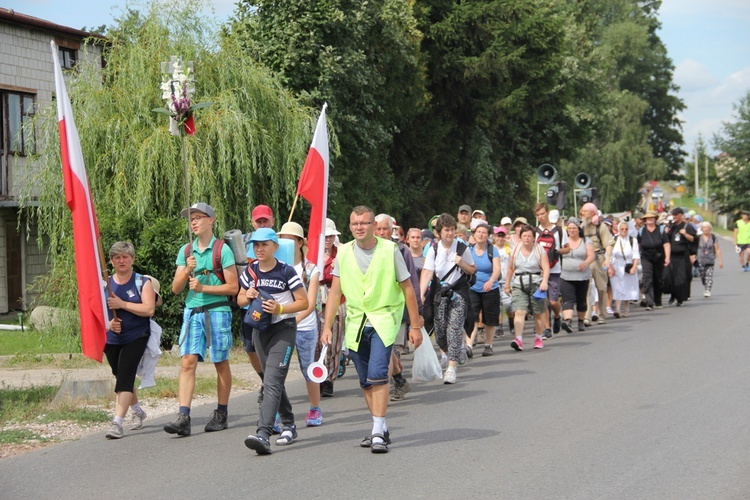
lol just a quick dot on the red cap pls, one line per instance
(262, 212)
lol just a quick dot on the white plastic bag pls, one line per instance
(426, 366)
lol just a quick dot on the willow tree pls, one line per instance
(249, 147)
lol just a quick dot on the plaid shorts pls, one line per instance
(193, 335)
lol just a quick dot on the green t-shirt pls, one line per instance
(205, 262)
(743, 232)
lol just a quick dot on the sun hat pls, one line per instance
(264, 234)
(522, 220)
(292, 229)
(154, 284)
(198, 207)
(650, 213)
(331, 228)
(262, 212)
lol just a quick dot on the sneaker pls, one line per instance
(259, 444)
(443, 361)
(649, 308)
(556, 324)
(115, 431)
(567, 325)
(658, 307)
(609, 310)
(462, 356)
(671, 301)
(538, 344)
(288, 435)
(547, 333)
(679, 304)
(487, 351)
(218, 422)
(707, 293)
(469, 351)
(517, 344)
(314, 417)
(276, 429)
(326, 389)
(137, 420)
(180, 425)
(616, 314)
(450, 376)
(399, 394)
(594, 317)
(587, 322)
(602, 321)
(582, 325)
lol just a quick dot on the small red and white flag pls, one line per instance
(313, 186)
(92, 302)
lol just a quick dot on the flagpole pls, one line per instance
(105, 274)
(294, 205)
(187, 182)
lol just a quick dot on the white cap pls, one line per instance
(554, 216)
(506, 220)
(331, 228)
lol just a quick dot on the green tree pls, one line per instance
(361, 58)
(249, 147)
(733, 165)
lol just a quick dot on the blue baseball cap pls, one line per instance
(265, 234)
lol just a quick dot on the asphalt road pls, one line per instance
(654, 406)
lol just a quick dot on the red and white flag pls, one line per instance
(313, 186)
(92, 302)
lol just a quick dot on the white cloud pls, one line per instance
(733, 8)
(692, 75)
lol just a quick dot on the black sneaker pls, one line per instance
(547, 333)
(259, 444)
(218, 422)
(326, 389)
(179, 426)
(581, 326)
(567, 325)
(556, 325)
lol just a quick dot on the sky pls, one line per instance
(708, 42)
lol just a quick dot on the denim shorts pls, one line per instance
(371, 359)
(194, 340)
(307, 341)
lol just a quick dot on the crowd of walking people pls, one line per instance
(461, 280)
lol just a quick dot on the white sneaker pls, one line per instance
(707, 293)
(115, 431)
(450, 376)
(137, 420)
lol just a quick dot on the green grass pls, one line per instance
(204, 385)
(32, 342)
(20, 436)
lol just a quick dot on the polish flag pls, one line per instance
(92, 302)
(313, 186)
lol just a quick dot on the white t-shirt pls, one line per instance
(311, 321)
(445, 260)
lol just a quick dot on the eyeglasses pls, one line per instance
(197, 218)
(360, 224)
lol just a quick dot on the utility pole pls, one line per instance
(697, 185)
(705, 195)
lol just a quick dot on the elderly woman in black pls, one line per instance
(681, 238)
(655, 254)
(132, 298)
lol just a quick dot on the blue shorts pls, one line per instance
(371, 359)
(307, 341)
(194, 340)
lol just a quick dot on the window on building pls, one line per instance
(19, 112)
(68, 57)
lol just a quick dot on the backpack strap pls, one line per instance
(218, 269)
(139, 284)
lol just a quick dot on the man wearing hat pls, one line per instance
(681, 238)
(371, 272)
(479, 214)
(464, 215)
(207, 319)
(742, 239)
(655, 254)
